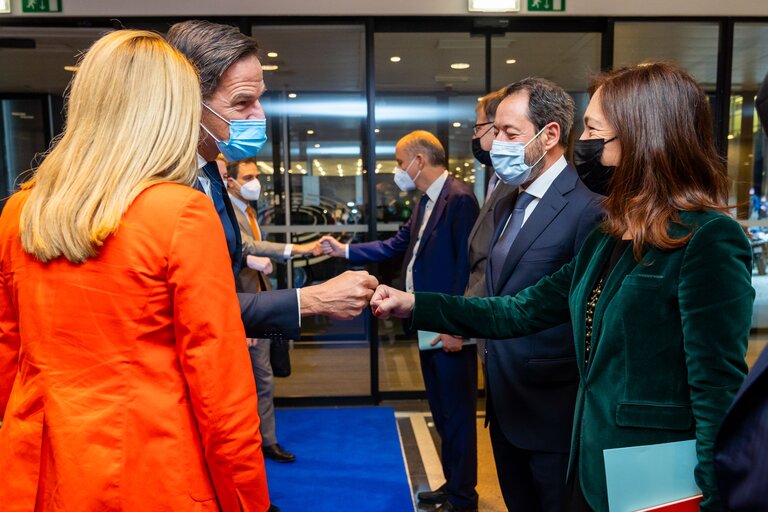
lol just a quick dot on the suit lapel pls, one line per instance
(545, 212)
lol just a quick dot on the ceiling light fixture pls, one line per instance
(71, 68)
(270, 67)
(457, 125)
(310, 132)
(511, 61)
(272, 55)
(394, 58)
(459, 65)
(292, 95)
(493, 5)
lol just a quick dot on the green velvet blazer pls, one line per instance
(669, 341)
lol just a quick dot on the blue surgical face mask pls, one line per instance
(509, 161)
(246, 137)
(403, 181)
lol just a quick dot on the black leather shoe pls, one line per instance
(277, 454)
(450, 507)
(439, 495)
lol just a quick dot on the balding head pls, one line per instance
(423, 142)
(422, 156)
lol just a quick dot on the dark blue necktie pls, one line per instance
(503, 244)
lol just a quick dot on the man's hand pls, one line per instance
(388, 302)
(259, 263)
(310, 249)
(252, 342)
(344, 297)
(450, 343)
(333, 247)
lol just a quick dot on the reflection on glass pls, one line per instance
(23, 131)
(692, 45)
(313, 180)
(747, 166)
(420, 91)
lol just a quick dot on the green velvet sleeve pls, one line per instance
(715, 296)
(534, 309)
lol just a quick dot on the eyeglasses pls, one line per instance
(476, 127)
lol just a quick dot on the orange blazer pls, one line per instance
(125, 381)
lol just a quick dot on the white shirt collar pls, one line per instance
(541, 184)
(241, 205)
(437, 186)
(200, 161)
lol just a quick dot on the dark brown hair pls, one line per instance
(212, 48)
(490, 102)
(547, 103)
(668, 161)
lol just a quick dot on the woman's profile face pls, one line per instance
(596, 126)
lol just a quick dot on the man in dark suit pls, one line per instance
(434, 242)
(531, 383)
(232, 83)
(740, 462)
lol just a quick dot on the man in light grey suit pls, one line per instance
(242, 180)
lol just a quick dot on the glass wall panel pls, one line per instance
(23, 129)
(747, 163)
(566, 58)
(314, 184)
(424, 81)
(692, 45)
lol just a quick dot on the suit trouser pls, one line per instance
(530, 481)
(262, 372)
(450, 379)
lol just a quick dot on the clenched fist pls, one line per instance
(344, 297)
(388, 302)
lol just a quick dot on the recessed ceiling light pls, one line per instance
(71, 68)
(310, 132)
(272, 54)
(270, 67)
(376, 130)
(459, 65)
(457, 125)
(394, 58)
(292, 95)
(317, 145)
(511, 61)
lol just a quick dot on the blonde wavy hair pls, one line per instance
(133, 114)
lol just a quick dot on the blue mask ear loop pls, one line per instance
(217, 115)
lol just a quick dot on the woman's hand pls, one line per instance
(388, 302)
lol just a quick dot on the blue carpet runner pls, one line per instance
(347, 459)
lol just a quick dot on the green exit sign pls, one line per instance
(41, 5)
(546, 5)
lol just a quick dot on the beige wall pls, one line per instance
(113, 8)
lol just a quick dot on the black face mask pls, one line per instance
(586, 157)
(483, 156)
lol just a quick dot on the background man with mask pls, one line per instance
(532, 381)
(434, 242)
(243, 185)
(482, 231)
(233, 123)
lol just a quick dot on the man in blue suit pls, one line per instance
(531, 382)
(741, 464)
(434, 245)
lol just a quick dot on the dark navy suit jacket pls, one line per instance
(741, 449)
(442, 263)
(272, 314)
(532, 381)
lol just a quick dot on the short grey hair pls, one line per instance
(547, 103)
(212, 48)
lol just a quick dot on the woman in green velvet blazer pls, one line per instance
(659, 297)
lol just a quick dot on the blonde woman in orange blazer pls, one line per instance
(125, 382)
